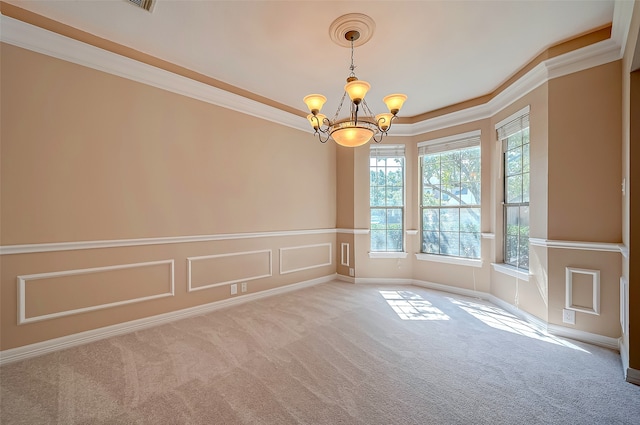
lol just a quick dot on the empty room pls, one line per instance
(319, 212)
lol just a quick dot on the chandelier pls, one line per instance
(361, 125)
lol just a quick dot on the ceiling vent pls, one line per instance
(144, 4)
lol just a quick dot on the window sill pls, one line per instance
(387, 255)
(511, 271)
(450, 260)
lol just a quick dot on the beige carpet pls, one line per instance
(334, 353)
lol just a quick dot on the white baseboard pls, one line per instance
(451, 289)
(591, 338)
(633, 376)
(69, 341)
(382, 281)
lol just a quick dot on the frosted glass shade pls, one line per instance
(357, 89)
(317, 120)
(352, 136)
(384, 120)
(314, 102)
(394, 102)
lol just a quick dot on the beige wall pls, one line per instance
(88, 156)
(584, 155)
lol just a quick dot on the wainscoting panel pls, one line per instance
(210, 271)
(305, 257)
(46, 296)
(577, 297)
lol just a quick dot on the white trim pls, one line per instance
(412, 232)
(454, 137)
(595, 290)
(353, 231)
(624, 250)
(624, 312)
(388, 254)
(119, 243)
(382, 281)
(472, 262)
(513, 116)
(344, 259)
(290, 248)
(22, 284)
(69, 341)
(190, 260)
(451, 289)
(511, 271)
(488, 235)
(588, 246)
(591, 338)
(633, 376)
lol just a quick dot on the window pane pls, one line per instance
(450, 219)
(394, 196)
(394, 218)
(450, 172)
(523, 251)
(470, 193)
(525, 158)
(513, 158)
(470, 245)
(431, 242)
(394, 240)
(394, 176)
(430, 219)
(376, 196)
(470, 219)
(451, 194)
(512, 220)
(511, 250)
(525, 187)
(514, 189)
(450, 243)
(378, 240)
(431, 195)
(378, 218)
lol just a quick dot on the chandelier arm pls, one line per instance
(319, 133)
(382, 134)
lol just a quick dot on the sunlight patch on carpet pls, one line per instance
(498, 318)
(411, 306)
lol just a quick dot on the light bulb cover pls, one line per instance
(394, 102)
(352, 136)
(316, 121)
(357, 89)
(384, 120)
(314, 102)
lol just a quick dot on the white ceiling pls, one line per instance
(437, 52)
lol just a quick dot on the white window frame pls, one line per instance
(441, 145)
(389, 151)
(504, 129)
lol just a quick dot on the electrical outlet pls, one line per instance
(568, 316)
(352, 272)
(243, 286)
(234, 289)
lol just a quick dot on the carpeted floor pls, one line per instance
(334, 353)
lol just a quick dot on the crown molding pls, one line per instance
(39, 40)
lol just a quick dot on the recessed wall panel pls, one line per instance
(221, 269)
(298, 258)
(50, 295)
